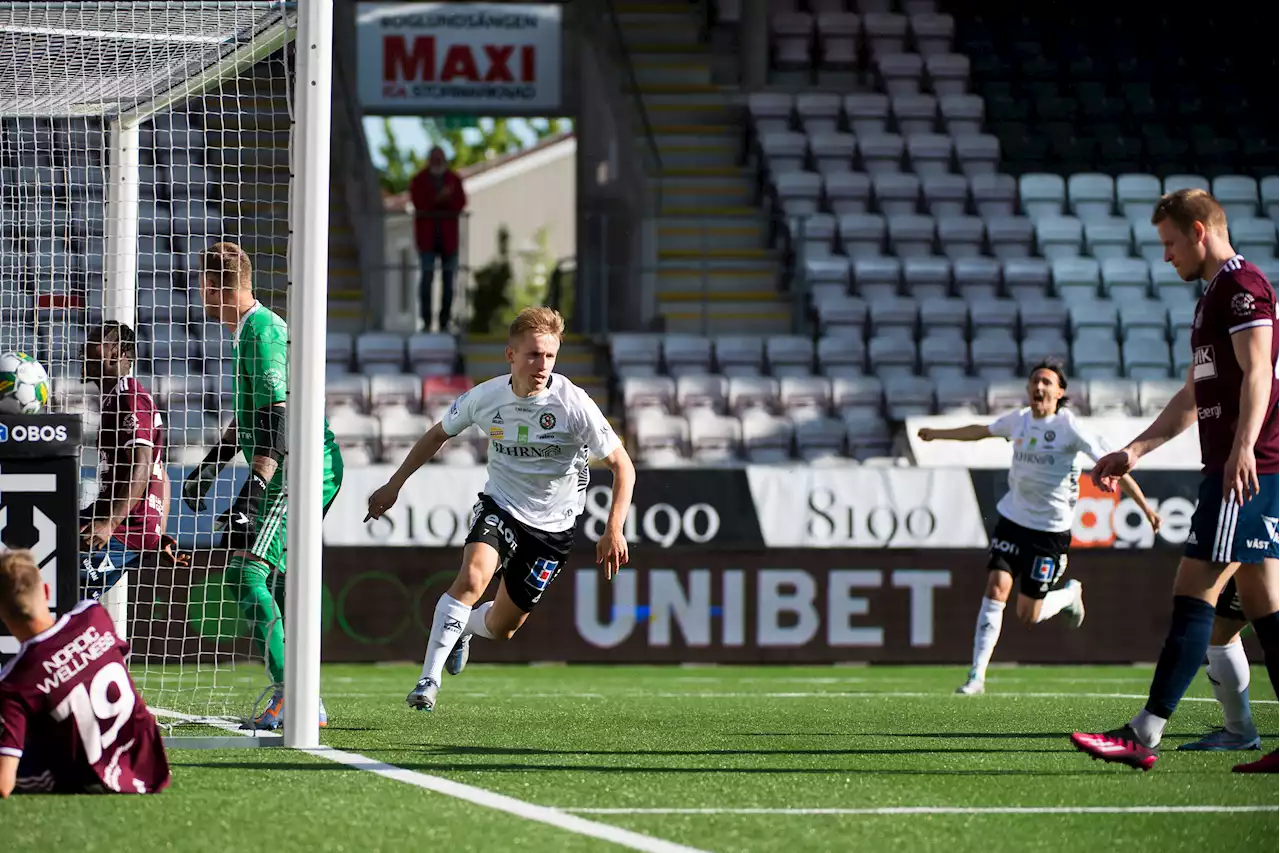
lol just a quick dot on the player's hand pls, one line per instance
(1240, 478)
(197, 484)
(96, 534)
(1108, 470)
(171, 555)
(1153, 518)
(611, 551)
(239, 529)
(927, 434)
(383, 499)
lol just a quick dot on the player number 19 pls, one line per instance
(91, 707)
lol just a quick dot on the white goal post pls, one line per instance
(83, 87)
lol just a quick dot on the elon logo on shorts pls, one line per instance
(1203, 366)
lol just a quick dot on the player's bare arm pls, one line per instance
(611, 550)
(8, 775)
(1252, 348)
(1176, 418)
(1131, 488)
(973, 432)
(111, 510)
(200, 480)
(422, 452)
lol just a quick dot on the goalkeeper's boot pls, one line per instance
(423, 695)
(272, 716)
(1224, 740)
(1118, 745)
(456, 662)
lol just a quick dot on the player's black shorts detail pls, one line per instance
(1037, 557)
(1229, 603)
(528, 558)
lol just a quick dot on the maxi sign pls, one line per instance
(491, 57)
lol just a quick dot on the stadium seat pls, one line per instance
(976, 277)
(635, 354)
(1095, 314)
(819, 439)
(848, 192)
(714, 439)
(1059, 236)
(1042, 194)
(1173, 183)
(958, 395)
(877, 278)
(353, 429)
(1108, 237)
(1076, 279)
(816, 233)
(1169, 287)
(894, 316)
(1006, 395)
(914, 113)
(908, 397)
(752, 392)
(660, 440)
(866, 434)
(867, 113)
(1146, 359)
(896, 193)
(978, 154)
(1147, 242)
(886, 33)
(1026, 278)
(432, 353)
(994, 314)
(374, 349)
(838, 33)
(1010, 236)
(399, 431)
(857, 394)
(846, 317)
(994, 195)
(891, 355)
(1270, 191)
(337, 348)
(1253, 238)
(441, 391)
(686, 354)
(1043, 344)
(798, 192)
(702, 392)
(863, 234)
(962, 114)
(832, 153)
(926, 277)
(881, 152)
(796, 393)
(1155, 394)
(1091, 196)
(943, 357)
(739, 355)
(948, 73)
(1136, 196)
(930, 153)
(403, 389)
(911, 235)
(994, 356)
(648, 392)
(943, 317)
(766, 438)
(961, 236)
(840, 355)
(1096, 360)
(1112, 398)
(770, 111)
(1238, 195)
(900, 73)
(784, 151)
(818, 111)
(945, 195)
(792, 40)
(1144, 321)
(1126, 279)
(1043, 315)
(932, 32)
(789, 355)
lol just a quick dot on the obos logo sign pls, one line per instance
(22, 432)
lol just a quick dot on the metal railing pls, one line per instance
(622, 56)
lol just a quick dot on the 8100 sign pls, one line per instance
(659, 523)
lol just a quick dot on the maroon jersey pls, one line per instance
(67, 697)
(129, 418)
(1238, 298)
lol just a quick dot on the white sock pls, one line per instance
(985, 635)
(1229, 675)
(1148, 727)
(1055, 602)
(476, 624)
(449, 622)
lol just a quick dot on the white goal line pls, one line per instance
(827, 694)
(890, 811)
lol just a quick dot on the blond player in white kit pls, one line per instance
(542, 429)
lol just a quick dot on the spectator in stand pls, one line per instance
(438, 200)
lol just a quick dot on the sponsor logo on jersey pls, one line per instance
(1242, 304)
(1004, 546)
(1206, 413)
(1203, 365)
(1033, 458)
(497, 418)
(547, 420)
(526, 451)
(522, 434)
(546, 436)
(1273, 527)
(496, 433)
(1258, 544)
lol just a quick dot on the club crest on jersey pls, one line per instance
(547, 420)
(1050, 435)
(1242, 304)
(130, 422)
(1203, 364)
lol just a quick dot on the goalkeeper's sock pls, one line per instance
(476, 624)
(248, 581)
(449, 623)
(985, 635)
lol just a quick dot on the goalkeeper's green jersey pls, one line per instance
(261, 352)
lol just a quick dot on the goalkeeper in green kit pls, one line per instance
(254, 526)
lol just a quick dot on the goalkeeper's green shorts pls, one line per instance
(269, 545)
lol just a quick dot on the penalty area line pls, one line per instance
(939, 810)
(500, 802)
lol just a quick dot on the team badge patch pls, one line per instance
(547, 420)
(1242, 304)
(274, 377)
(1050, 435)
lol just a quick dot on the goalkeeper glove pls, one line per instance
(240, 522)
(198, 483)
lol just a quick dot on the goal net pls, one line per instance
(133, 135)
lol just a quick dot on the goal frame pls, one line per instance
(311, 30)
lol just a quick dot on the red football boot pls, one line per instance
(1118, 745)
(1266, 764)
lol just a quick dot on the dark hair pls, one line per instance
(119, 333)
(1058, 369)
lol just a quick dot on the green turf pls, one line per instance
(720, 738)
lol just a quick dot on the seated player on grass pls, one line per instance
(71, 720)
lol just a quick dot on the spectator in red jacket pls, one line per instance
(438, 199)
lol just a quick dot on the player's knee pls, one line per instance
(1028, 610)
(999, 584)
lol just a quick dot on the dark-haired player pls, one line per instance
(128, 518)
(1231, 391)
(1033, 532)
(71, 720)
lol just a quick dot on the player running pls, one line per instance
(129, 515)
(1228, 673)
(541, 429)
(1033, 532)
(1231, 390)
(71, 720)
(255, 524)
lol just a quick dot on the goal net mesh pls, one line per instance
(208, 85)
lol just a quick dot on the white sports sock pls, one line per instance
(1229, 675)
(1055, 602)
(476, 624)
(985, 635)
(449, 622)
(1148, 727)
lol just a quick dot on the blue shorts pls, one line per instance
(1224, 532)
(101, 570)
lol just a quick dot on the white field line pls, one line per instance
(832, 694)
(501, 802)
(213, 722)
(941, 810)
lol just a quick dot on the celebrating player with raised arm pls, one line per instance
(129, 515)
(541, 430)
(71, 720)
(1231, 390)
(1030, 539)
(255, 524)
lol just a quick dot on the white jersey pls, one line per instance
(538, 447)
(1044, 479)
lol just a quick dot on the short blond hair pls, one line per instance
(20, 585)
(228, 265)
(1186, 207)
(538, 319)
